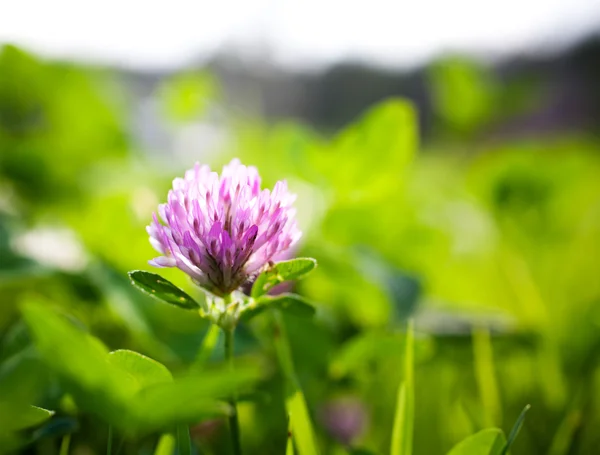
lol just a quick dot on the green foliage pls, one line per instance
(186, 96)
(54, 429)
(64, 112)
(281, 272)
(402, 434)
(492, 250)
(464, 93)
(144, 370)
(288, 303)
(162, 289)
(31, 416)
(490, 441)
(124, 388)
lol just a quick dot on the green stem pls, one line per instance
(234, 425)
(166, 444)
(184, 442)
(110, 438)
(64, 444)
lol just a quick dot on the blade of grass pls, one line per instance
(289, 449)
(166, 445)
(563, 439)
(402, 433)
(515, 430)
(184, 443)
(64, 445)
(303, 433)
(110, 439)
(486, 378)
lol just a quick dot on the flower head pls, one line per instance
(223, 230)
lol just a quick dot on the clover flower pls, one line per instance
(223, 230)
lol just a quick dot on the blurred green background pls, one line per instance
(465, 196)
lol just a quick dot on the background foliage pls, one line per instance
(491, 244)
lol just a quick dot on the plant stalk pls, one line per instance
(65, 444)
(110, 439)
(234, 425)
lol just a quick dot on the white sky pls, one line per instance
(166, 34)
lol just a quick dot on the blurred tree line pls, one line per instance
(530, 92)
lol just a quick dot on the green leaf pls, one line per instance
(490, 441)
(31, 416)
(288, 303)
(82, 362)
(126, 389)
(143, 369)
(280, 272)
(22, 380)
(388, 131)
(515, 429)
(73, 353)
(187, 399)
(402, 433)
(162, 289)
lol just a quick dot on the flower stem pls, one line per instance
(109, 442)
(184, 443)
(234, 425)
(64, 445)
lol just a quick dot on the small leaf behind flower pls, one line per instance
(288, 303)
(162, 289)
(280, 272)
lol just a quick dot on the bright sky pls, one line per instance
(166, 34)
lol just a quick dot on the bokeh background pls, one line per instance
(446, 157)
